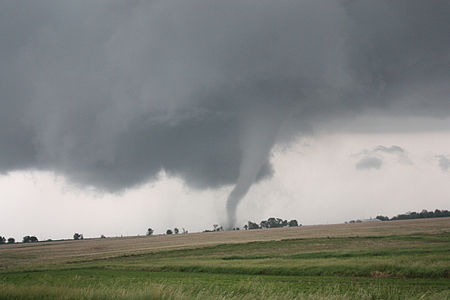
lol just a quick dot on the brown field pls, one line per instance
(44, 253)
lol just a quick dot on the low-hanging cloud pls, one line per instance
(374, 159)
(444, 162)
(368, 163)
(110, 93)
(391, 150)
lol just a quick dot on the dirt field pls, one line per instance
(44, 253)
(373, 260)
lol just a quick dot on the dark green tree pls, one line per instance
(382, 218)
(264, 224)
(293, 223)
(276, 222)
(29, 239)
(252, 225)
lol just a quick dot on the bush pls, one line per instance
(274, 223)
(252, 225)
(29, 239)
(293, 223)
(382, 218)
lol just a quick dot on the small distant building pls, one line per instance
(370, 220)
(363, 221)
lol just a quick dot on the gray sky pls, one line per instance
(150, 112)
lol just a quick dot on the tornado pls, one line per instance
(258, 137)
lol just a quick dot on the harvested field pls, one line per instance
(58, 251)
(373, 260)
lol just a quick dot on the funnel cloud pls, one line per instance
(109, 93)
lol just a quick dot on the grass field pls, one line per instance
(377, 260)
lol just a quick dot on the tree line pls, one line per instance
(168, 231)
(269, 223)
(26, 239)
(415, 215)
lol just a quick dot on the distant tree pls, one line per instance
(11, 240)
(2, 239)
(264, 224)
(81, 237)
(423, 214)
(102, 236)
(29, 239)
(245, 227)
(440, 213)
(149, 231)
(217, 227)
(76, 236)
(382, 218)
(176, 230)
(169, 231)
(293, 223)
(252, 225)
(274, 223)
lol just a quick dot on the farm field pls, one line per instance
(375, 260)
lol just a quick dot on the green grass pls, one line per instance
(384, 267)
(122, 284)
(125, 284)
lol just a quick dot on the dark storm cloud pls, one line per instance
(109, 93)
